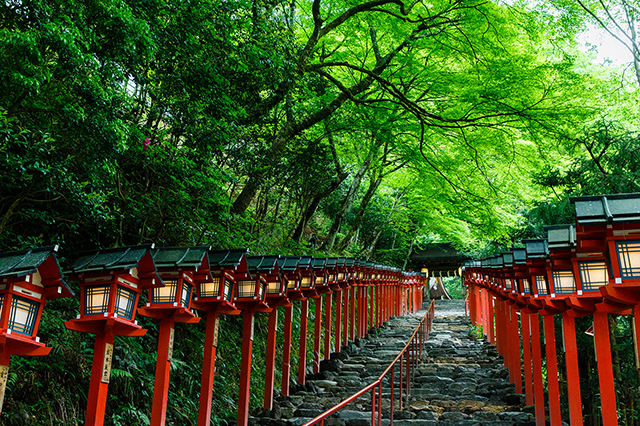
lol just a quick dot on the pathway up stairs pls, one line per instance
(460, 381)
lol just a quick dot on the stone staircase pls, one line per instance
(459, 381)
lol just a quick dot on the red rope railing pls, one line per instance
(408, 359)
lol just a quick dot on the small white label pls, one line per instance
(579, 292)
(618, 280)
(106, 363)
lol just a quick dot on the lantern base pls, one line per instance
(15, 344)
(253, 306)
(218, 306)
(275, 301)
(118, 326)
(179, 314)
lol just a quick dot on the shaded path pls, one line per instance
(461, 380)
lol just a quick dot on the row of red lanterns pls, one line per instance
(591, 267)
(179, 280)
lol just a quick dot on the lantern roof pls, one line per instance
(604, 209)
(350, 262)
(305, 262)
(331, 262)
(341, 262)
(507, 259)
(235, 258)
(519, 255)
(537, 248)
(121, 259)
(496, 262)
(263, 263)
(318, 263)
(180, 257)
(288, 264)
(561, 236)
(42, 260)
(113, 259)
(370, 265)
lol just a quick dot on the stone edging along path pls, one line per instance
(460, 380)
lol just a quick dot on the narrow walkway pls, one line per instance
(461, 381)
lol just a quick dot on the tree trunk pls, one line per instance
(372, 246)
(346, 205)
(374, 183)
(413, 240)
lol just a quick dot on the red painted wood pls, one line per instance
(327, 325)
(97, 398)
(605, 369)
(302, 359)
(573, 373)
(526, 355)
(372, 312)
(208, 370)
(517, 360)
(552, 370)
(245, 368)
(338, 332)
(352, 316)
(492, 334)
(317, 334)
(163, 371)
(346, 308)
(270, 362)
(286, 351)
(537, 370)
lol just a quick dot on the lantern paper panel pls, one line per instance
(593, 274)
(541, 285)
(563, 282)
(629, 258)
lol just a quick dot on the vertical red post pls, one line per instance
(317, 334)
(327, 326)
(245, 368)
(526, 352)
(208, 369)
(515, 349)
(605, 369)
(492, 335)
(552, 370)
(97, 398)
(338, 343)
(163, 370)
(270, 363)
(536, 355)
(347, 304)
(352, 317)
(302, 360)
(573, 373)
(286, 350)
(372, 310)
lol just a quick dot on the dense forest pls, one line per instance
(342, 127)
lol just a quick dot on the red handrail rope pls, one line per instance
(428, 319)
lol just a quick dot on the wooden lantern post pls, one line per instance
(523, 288)
(28, 278)
(307, 287)
(291, 274)
(179, 268)
(321, 287)
(618, 217)
(346, 329)
(110, 285)
(276, 297)
(342, 284)
(250, 298)
(214, 295)
(560, 275)
(537, 259)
